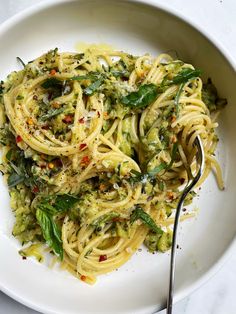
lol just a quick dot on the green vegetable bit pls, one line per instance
(139, 213)
(185, 75)
(92, 88)
(45, 213)
(210, 97)
(146, 95)
(51, 232)
(51, 113)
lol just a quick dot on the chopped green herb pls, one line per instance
(14, 179)
(92, 88)
(139, 213)
(51, 113)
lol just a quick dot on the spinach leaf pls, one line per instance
(50, 231)
(142, 98)
(92, 88)
(51, 113)
(139, 213)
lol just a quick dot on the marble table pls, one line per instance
(218, 17)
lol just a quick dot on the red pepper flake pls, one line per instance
(67, 119)
(23, 257)
(98, 113)
(81, 120)
(53, 72)
(85, 160)
(18, 139)
(82, 146)
(181, 180)
(83, 278)
(35, 190)
(102, 258)
(45, 127)
(173, 118)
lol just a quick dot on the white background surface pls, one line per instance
(218, 17)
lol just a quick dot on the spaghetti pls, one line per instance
(95, 151)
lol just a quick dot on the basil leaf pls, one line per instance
(65, 202)
(51, 113)
(142, 98)
(14, 179)
(48, 208)
(56, 231)
(185, 75)
(139, 213)
(92, 88)
(50, 231)
(52, 82)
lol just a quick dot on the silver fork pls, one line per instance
(191, 183)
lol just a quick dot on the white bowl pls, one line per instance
(140, 286)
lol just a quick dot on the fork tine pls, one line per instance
(187, 189)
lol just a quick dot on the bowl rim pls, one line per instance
(166, 8)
